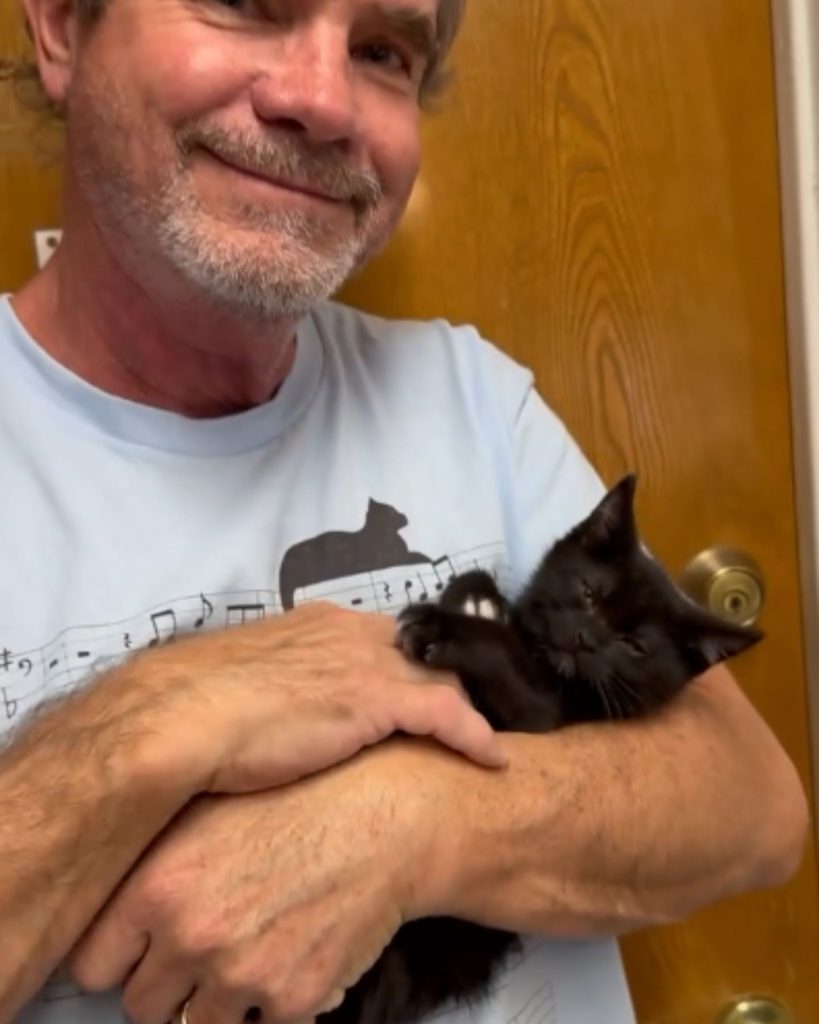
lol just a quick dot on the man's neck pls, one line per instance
(182, 355)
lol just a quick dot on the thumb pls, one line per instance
(438, 710)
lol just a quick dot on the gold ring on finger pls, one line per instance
(181, 1016)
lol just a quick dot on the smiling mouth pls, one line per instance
(283, 184)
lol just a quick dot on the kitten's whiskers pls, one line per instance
(604, 696)
(626, 690)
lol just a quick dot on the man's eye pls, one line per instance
(385, 55)
(241, 6)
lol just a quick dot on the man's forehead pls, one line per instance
(415, 20)
(409, 10)
(406, 9)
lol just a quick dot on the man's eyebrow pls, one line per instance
(418, 29)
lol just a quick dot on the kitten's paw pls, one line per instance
(421, 630)
(475, 594)
(483, 608)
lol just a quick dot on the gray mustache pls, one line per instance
(287, 157)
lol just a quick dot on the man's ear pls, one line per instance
(54, 29)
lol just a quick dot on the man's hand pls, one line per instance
(278, 900)
(89, 782)
(270, 703)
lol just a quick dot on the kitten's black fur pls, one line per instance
(600, 632)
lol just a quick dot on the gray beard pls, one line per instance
(268, 264)
(264, 262)
(259, 264)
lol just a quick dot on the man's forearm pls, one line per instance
(603, 829)
(81, 796)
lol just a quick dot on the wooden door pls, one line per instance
(29, 166)
(600, 196)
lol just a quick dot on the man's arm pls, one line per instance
(591, 831)
(91, 780)
(599, 830)
(81, 795)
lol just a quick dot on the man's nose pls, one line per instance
(307, 85)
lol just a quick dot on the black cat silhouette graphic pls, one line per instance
(336, 555)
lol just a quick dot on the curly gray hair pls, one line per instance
(25, 77)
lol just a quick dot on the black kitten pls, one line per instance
(600, 632)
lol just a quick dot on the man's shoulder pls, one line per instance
(420, 347)
(340, 313)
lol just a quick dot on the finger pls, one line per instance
(154, 993)
(440, 712)
(334, 1000)
(108, 951)
(213, 1004)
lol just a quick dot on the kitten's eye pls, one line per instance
(634, 645)
(588, 595)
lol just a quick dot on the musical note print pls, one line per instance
(440, 583)
(241, 612)
(164, 625)
(78, 654)
(423, 593)
(9, 662)
(207, 612)
(390, 590)
(9, 704)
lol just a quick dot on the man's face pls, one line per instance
(265, 149)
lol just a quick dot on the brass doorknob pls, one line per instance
(728, 582)
(757, 1010)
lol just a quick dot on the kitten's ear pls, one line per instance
(712, 640)
(613, 519)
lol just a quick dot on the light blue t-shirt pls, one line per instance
(395, 454)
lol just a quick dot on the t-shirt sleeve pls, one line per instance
(555, 486)
(545, 484)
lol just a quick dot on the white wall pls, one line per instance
(796, 25)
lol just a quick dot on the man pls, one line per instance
(193, 438)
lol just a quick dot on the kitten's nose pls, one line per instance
(582, 642)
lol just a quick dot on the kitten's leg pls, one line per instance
(493, 668)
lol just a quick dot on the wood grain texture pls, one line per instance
(600, 196)
(29, 168)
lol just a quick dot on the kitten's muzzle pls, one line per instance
(583, 642)
(577, 642)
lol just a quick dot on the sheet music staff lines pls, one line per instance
(79, 653)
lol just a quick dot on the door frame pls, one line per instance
(796, 57)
